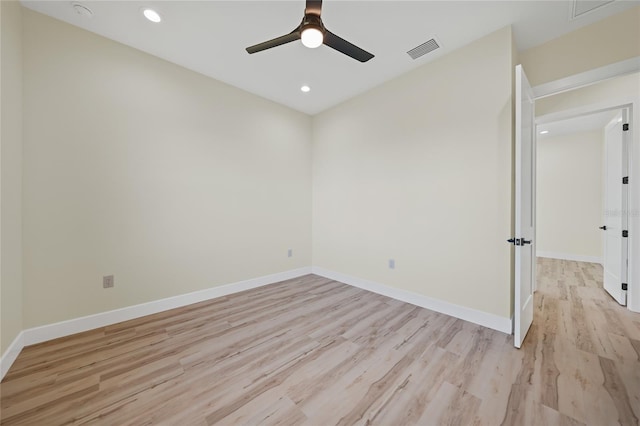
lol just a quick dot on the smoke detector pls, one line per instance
(82, 10)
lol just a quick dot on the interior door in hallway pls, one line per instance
(615, 209)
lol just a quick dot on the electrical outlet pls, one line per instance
(392, 264)
(107, 281)
(290, 253)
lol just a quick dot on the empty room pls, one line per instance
(320, 212)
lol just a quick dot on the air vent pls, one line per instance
(424, 48)
(582, 7)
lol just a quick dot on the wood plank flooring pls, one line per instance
(315, 351)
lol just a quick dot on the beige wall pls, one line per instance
(608, 41)
(11, 173)
(569, 194)
(420, 171)
(169, 180)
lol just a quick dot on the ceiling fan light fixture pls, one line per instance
(312, 36)
(313, 33)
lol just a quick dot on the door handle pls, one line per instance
(604, 228)
(518, 241)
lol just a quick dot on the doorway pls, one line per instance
(581, 197)
(545, 99)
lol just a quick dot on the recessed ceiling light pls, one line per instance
(305, 88)
(151, 15)
(544, 132)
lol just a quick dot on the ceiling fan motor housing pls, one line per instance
(312, 21)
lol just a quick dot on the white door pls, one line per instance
(525, 207)
(615, 202)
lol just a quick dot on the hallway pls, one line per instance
(582, 354)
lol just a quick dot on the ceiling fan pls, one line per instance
(313, 33)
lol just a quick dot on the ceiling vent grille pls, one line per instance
(424, 48)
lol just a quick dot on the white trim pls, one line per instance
(44, 333)
(581, 111)
(10, 355)
(570, 256)
(484, 319)
(587, 78)
(633, 206)
(35, 335)
(90, 322)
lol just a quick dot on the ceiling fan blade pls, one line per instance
(292, 36)
(342, 45)
(314, 7)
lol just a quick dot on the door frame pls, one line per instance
(633, 157)
(587, 78)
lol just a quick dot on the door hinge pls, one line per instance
(625, 180)
(624, 286)
(625, 127)
(625, 233)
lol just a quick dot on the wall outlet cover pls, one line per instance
(107, 281)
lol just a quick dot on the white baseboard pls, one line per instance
(35, 335)
(9, 356)
(569, 256)
(44, 333)
(484, 319)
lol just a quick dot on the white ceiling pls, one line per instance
(210, 37)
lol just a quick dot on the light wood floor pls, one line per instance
(314, 351)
